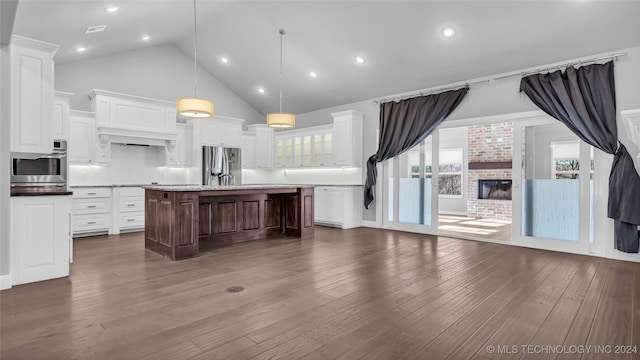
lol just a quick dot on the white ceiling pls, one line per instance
(401, 40)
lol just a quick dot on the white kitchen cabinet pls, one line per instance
(258, 147)
(222, 131)
(308, 147)
(40, 238)
(123, 111)
(128, 206)
(31, 95)
(248, 153)
(181, 153)
(84, 147)
(60, 117)
(347, 138)
(338, 206)
(91, 210)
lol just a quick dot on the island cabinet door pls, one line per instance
(298, 209)
(171, 223)
(186, 228)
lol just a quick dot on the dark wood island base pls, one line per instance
(178, 219)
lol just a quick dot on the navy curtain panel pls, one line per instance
(405, 124)
(584, 100)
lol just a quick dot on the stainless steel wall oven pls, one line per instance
(40, 170)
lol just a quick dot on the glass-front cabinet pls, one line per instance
(311, 148)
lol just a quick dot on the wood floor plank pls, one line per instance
(342, 294)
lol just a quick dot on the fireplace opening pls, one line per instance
(494, 189)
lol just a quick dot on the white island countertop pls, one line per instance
(223, 188)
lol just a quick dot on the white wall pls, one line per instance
(160, 72)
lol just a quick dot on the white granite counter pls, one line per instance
(223, 188)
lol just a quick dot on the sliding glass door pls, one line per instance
(553, 192)
(410, 189)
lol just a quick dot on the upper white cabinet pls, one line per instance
(222, 131)
(264, 145)
(84, 146)
(248, 150)
(347, 138)
(338, 144)
(121, 115)
(40, 238)
(180, 152)
(60, 117)
(305, 147)
(31, 95)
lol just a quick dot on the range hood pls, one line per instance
(136, 137)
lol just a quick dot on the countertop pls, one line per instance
(127, 185)
(223, 188)
(38, 191)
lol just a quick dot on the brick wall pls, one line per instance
(489, 143)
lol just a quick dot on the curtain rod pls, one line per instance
(427, 91)
(521, 73)
(563, 65)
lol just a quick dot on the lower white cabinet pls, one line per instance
(41, 241)
(338, 206)
(91, 210)
(110, 210)
(128, 209)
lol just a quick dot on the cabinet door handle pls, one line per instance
(91, 222)
(131, 204)
(91, 206)
(91, 194)
(131, 220)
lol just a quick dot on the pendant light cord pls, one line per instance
(282, 32)
(195, 50)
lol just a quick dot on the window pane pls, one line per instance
(567, 165)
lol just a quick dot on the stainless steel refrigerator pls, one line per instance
(221, 166)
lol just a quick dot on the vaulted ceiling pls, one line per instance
(401, 40)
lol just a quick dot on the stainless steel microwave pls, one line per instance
(40, 170)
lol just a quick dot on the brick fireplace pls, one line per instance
(490, 157)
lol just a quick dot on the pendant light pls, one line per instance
(280, 119)
(194, 107)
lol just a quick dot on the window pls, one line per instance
(450, 172)
(565, 163)
(566, 168)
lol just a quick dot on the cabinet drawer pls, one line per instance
(129, 204)
(132, 220)
(91, 206)
(80, 193)
(131, 191)
(91, 222)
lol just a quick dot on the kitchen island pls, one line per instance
(181, 219)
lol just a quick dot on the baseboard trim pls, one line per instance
(5, 282)
(370, 224)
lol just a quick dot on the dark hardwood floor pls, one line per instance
(344, 294)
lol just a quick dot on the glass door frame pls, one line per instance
(393, 168)
(582, 246)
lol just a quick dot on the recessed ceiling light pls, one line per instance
(81, 49)
(313, 74)
(112, 9)
(261, 90)
(360, 60)
(448, 31)
(224, 60)
(145, 37)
